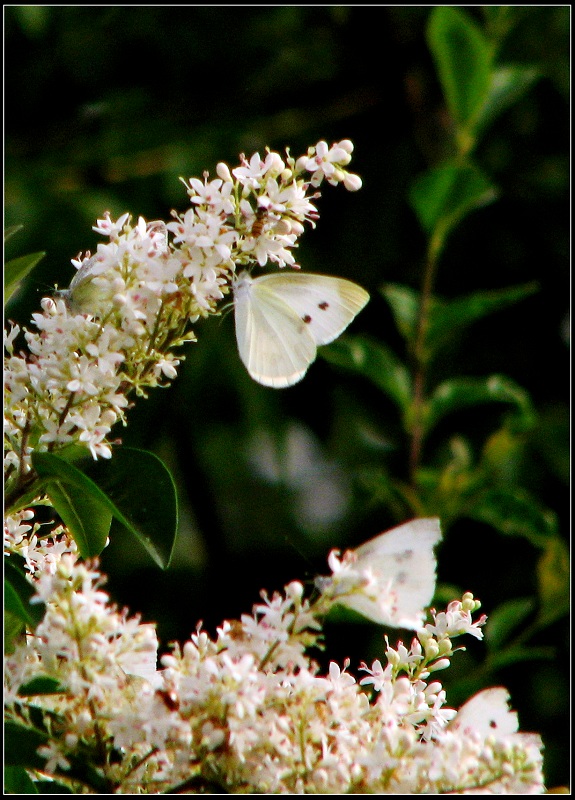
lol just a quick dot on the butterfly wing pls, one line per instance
(402, 559)
(82, 296)
(274, 343)
(326, 304)
(487, 713)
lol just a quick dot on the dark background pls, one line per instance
(106, 107)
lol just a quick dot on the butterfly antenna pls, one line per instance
(226, 308)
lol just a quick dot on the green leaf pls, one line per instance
(383, 491)
(144, 497)
(16, 270)
(441, 197)
(21, 744)
(374, 361)
(504, 619)
(17, 594)
(13, 629)
(446, 319)
(507, 85)
(52, 787)
(33, 20)
(515, 655)
(552, 440)
(8, 232)
(458, 393)
(553, 576)
(17, 781)
(463, 59)
(42, 684)
(404, 304)
(514, 512)
(83, 508)
(134, 487)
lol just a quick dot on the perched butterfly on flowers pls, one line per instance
(486, 713)
(282, 318)
(82, 295)
(390, 579)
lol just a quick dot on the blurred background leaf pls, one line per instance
(107, 106)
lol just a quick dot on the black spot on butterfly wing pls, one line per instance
(405, 555)
(323, 306)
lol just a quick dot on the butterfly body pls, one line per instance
(281, 319)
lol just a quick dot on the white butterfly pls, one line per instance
(281, 318)
(486, 713)
(403, 565)
(81, 296)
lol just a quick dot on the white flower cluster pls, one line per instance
(246, 711)
(249, 711)
(130, 304)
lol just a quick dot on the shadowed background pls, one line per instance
(106, 107)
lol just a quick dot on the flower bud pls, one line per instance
(352, 182)
(223, 172)
(443, 663)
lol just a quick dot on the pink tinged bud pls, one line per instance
(300, 164)
(352, 182)
(346, 144)
(339, 156)
(223, 172)
(443, 663)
